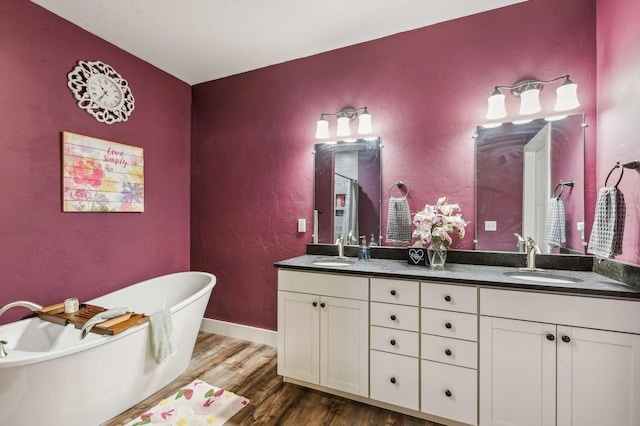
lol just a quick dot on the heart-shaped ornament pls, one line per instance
(416, 255)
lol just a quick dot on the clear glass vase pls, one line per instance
(437, 256)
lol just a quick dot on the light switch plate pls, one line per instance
(302, 225)
(490, 225)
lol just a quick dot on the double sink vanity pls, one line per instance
(468, 345)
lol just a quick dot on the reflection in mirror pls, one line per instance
(347, 190)
(522, 171)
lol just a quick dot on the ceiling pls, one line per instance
(202, 40)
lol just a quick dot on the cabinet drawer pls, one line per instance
(395, 291)
(450, 324)
(580, 311)
(394, 379)
(450, 297)
(395, 316)
(395, 341)
(450, 392)
(346, 286)
(450, 351)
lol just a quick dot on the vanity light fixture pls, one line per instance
(344, 118)
(529, 93)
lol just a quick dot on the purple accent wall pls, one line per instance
(46, 255)
(252, 134)
(619, 109)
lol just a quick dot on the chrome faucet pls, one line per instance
(521, 242)
(340, 244)
(3, 353)
(21, 303)
(532, 250)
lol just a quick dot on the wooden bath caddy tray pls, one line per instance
(55, 313)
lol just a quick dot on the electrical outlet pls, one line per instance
(302, 225)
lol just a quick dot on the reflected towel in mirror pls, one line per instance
(555, 229)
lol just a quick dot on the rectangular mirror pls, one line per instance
(347, 193)
(521, 172)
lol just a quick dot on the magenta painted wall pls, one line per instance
(252, 134)
(619, 108)
(47, 255)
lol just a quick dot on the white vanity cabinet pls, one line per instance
(323, 330)
(548, 359)
(449, 351)
(394, 349)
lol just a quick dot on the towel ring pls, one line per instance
(561, 185)
(618, 165)
(400, 185)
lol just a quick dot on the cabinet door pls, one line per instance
(598, 377)
(344, 347)
(517, 373)
(299, 336)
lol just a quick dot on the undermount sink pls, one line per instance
(542, 277)
(333, 262)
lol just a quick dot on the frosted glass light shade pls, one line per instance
(364, 123)
(322, 129)
(343, 126)
(567, 96)
(496, 108)
(530, 102)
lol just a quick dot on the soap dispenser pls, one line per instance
(363, 253)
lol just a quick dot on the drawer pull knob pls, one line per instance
(447, 352)
(393, 342)
(393, 380)
(393, 317)
(566, 339)
(322, 305)
(448, 393)
(315, 303)
(447, 298)
(551, 337)
(448, 325)
(393, 292)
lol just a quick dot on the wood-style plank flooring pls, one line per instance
(249, 369)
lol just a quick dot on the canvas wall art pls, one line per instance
(101, 176)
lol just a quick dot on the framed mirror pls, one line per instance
(530, 183)
(347, 192)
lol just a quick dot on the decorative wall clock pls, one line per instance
(101, 91)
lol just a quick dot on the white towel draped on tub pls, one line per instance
(555, 232)
(608, 224)
(163, 343)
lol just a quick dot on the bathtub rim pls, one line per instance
(18, 358)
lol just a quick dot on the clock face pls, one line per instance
(101, 91)
(104, 91)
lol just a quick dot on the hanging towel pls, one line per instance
(608, 224)
(399, 221)
(163, 343)
(102, 316)
(555, 232)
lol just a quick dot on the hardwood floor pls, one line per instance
(249, 369)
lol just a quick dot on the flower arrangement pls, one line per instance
(435, 224)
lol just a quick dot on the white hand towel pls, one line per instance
(555, 231)
(608, 224)
(102, 316)
(163, 343)
(399, 221)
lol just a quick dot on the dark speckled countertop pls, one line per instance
(490, 276)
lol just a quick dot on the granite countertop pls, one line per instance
(490, 276)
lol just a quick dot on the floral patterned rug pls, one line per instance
(196, 404)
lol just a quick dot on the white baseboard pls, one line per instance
(239, 331)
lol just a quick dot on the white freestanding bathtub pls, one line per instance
(52, 377)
